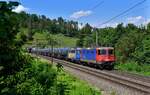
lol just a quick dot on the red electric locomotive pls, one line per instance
(105, 57)
(102, 57)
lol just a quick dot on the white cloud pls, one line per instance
(138, 20)
(106, 25)
(135, 20)
(80, 14)
(20, 8)
(146, 21)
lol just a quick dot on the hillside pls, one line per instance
(40, 40)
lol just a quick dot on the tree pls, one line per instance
(148, 27)
(142, 50)
(84, 32)
(106, 36)
(120, 30)
(10, 54)
(128, 42)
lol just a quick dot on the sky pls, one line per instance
(94, 12)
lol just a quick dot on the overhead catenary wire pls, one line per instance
(145, 7)
(93, 6)
(97, 5)
(139, 3)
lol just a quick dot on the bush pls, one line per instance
(11, 57)
(134, 67)
(74, 86)
(36, 79)
(40, 78)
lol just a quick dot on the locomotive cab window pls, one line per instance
(110, 51)
(102, 52)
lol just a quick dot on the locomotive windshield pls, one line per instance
(105, 52)
(110, 51)
(102, 52)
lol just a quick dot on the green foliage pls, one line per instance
(106, 36)
(36, 23)
(127, 44)
(40, 78)
(142, 52)
(11, 58)
(84, 32)
(36, 79)
(75, 86)
(87, 41)
(134, 67)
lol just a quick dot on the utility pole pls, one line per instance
(30, 28)
(36, 41)
(96, 39)
(52, 47)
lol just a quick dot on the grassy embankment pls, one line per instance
(133, 67)
(76, 86)
(41, 78)
(39, 39)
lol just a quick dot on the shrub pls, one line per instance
(36, 79)
(134, 67)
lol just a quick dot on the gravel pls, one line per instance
(131, 75)
(106, 87)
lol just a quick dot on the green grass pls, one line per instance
(40, 38)
(133, 67)
(74, 85)
(66, 41)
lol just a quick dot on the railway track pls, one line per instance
(115, 77)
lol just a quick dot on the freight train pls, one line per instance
(101, 57)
